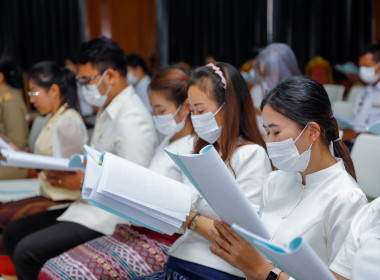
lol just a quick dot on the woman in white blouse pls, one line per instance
(359, 257)
(222, 114)
(313, 194)
(137, 250)
(53, 92)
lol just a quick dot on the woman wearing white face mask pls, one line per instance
(223, 115)
(139, 250)
(313, 195)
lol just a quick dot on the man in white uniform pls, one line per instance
(123, 127)
(367, 105)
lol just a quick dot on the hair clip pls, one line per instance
(219, 73)
(336, 140)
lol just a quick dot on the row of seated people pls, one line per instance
(313, 193)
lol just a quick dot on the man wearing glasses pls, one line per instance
(123, 127)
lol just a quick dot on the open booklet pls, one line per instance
(14, 158)
(215, 182)
(4, 145)
(346, 123)
(134, 192)
(298, 260)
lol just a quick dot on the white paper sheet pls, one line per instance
(4, 145)
(299, 260)
(210, 175)
(28, 160)
(137, 193)
(93, 171)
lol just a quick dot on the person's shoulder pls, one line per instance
(10, 95)
(70, 112)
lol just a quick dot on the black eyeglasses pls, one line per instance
(86, 81)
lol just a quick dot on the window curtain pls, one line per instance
(32, 31)
(227, 29)
(337, 30)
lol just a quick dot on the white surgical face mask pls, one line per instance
(368, 74)
(132, 79)
(206, 126)
(167, 125)
(92, 95)
(285, 156)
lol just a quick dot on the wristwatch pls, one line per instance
(193, 224)
(274, 274)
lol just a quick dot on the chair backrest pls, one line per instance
(366, 158)
(319, 69)
(354, 90)
(343, 109)
(335, 92)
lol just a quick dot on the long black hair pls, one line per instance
(304, 100)
(12, 73)
(48, 73)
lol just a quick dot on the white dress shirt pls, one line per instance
(124, 128)
(367, 107)
(319, 211)
(361, 249)
(164, 165)
(251, 165)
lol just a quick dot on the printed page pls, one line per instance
(140, 195)
(92, 172)
(28, 160)
(215, 182)
(299, 260)
(4, 145)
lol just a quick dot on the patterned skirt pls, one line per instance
(129, 252)
(14, 210)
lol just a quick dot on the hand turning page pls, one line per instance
(298, 260)
(215, 182)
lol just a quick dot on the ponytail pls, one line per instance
(69, 87)
(340, 149)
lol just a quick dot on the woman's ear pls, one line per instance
(55, 92)
(185, 107)
(314, 131)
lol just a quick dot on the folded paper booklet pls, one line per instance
(215, 182)
(298, 260)
(136, 193)
(91, 162)
(14, 158)
(4, 145)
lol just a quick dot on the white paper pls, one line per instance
(299, 260)
(35, 161)
(11, 190)
(210, 175)
(93, 171)
(4, 145)
(137, 193)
